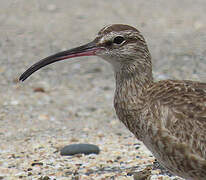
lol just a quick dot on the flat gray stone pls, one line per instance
(73, 149)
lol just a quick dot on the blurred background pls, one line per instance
(71, 101)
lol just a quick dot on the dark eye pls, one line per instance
(118, 40)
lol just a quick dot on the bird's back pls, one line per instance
(177, 110)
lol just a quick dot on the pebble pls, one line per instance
(39, 89)
(73, 149)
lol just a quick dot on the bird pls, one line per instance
(168, 116)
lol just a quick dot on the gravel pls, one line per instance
(71, 102)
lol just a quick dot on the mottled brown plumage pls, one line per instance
(168, 116)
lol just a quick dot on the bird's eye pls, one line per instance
(118, 40)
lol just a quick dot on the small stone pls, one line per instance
(106, 88)
(137, 147)
(74, 140)
(79, 149)
(39, 89)
(44, 178)
(43, 117)
(37, 164)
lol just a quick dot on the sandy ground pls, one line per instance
(71, 101)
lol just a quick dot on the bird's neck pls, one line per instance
(134, 75)
(131, 81)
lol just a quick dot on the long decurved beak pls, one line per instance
(85, 50)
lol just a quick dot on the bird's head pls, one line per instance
(121, 45)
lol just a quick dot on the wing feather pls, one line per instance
(182, 111)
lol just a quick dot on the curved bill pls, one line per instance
(85, 50)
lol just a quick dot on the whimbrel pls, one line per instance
(168, 116)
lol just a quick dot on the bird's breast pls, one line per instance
(128, 110)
